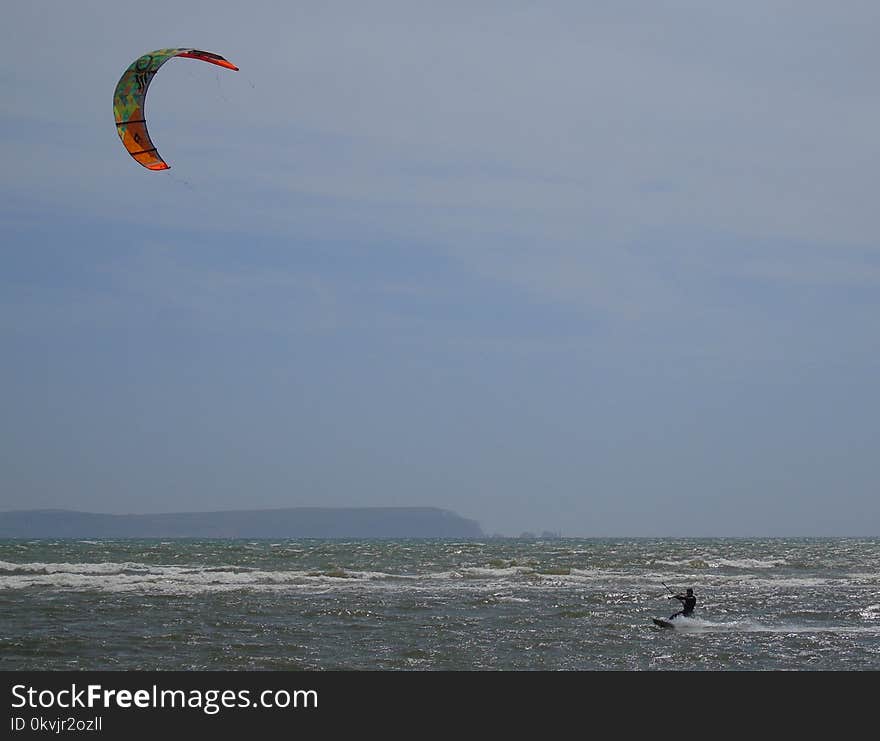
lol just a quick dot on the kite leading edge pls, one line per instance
(130, 94)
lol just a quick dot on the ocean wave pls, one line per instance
(132, 575)
(73, 568)
(871, 612)
(712, 562)
(127, 577)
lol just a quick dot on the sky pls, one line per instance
(595, 268)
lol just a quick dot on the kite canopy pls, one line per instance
(131, 91)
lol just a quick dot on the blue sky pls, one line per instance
(604, 268)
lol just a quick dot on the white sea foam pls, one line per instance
(747, 563)
(76, 568)
(511, 599)
(871, 612)
(700, 625)
(705, 561)
(791, 628)
(127, 576)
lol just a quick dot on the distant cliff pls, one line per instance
(296, 522)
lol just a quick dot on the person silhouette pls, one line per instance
(688, 603)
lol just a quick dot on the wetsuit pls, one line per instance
(688, 603)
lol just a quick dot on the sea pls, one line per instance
(555, 604)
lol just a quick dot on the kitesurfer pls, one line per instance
(688, 602)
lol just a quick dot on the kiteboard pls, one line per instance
(662, 623)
